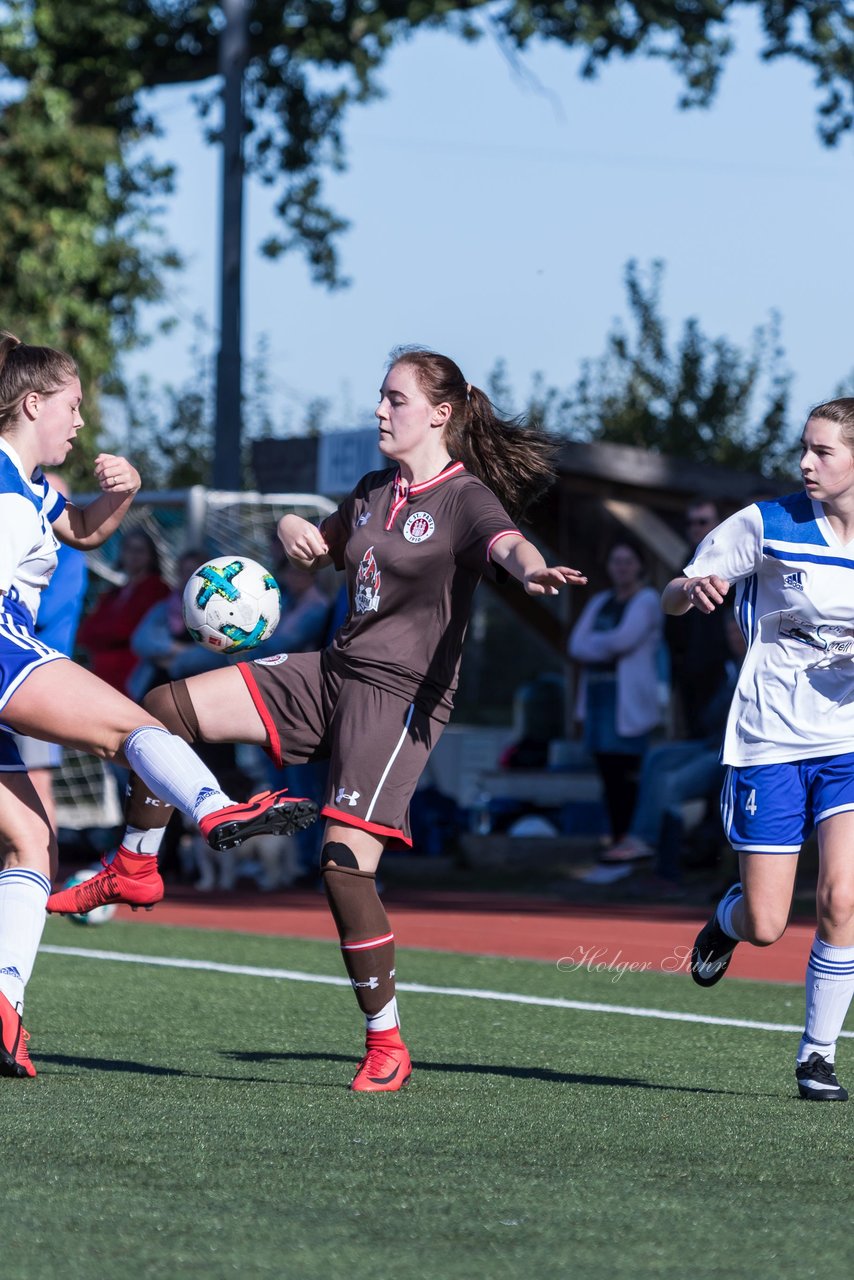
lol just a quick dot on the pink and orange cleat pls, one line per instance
(14, 1054)
(386, 1066)
(269, 813)
(131, 878)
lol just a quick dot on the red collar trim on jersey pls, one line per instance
(400, 498)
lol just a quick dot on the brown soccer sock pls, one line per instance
(367, 942)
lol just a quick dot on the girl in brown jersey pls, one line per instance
(414, 540)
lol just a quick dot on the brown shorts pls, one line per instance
(377, 744)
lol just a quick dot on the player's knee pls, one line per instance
(172, 706)
(336, 854)
(766, 937)
(835, 906)
(764, 928)
(43, 858)
(29, 842)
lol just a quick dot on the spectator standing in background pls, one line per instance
(705, 653)
(616, 640)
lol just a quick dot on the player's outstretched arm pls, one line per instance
(524, 562)
(705, 594)
(89, 526)
(304, 544)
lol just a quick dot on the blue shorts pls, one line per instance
(20, 653)
(772, 808)
(11, 760)
(19, 754)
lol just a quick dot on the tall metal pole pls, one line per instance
(233, 55)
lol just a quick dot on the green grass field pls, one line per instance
(198, 1123)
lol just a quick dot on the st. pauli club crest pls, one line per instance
(419, 526)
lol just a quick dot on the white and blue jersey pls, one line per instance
(28, 546)
(795, 605)
(28, 507)
(790, 732)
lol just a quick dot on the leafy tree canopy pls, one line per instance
(700, 398)
(79, 249)
(171, 426)
(695, 397)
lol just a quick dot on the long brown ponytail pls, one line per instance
(515, 460)
(23, 369)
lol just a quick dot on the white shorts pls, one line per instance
(37, 754)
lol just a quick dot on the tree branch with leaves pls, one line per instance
(79, 197)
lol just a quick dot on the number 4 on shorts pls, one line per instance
(750, 803)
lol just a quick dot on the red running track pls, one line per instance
(650, 937)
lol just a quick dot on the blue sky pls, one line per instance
(493, 218)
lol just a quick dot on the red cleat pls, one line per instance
(14, 1055)
(385, 1068)
(131, 878)
(270, 813)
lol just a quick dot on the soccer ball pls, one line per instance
(100, 915)
(231, 603)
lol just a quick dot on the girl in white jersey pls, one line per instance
(44, 694)
(789, 738)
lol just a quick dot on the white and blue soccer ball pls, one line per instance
(100, 915)
(231, 603)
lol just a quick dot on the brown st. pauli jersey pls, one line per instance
(412, 561)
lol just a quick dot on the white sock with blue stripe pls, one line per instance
(23, 898)
(171, 769)
(830, 987)
(727, 905)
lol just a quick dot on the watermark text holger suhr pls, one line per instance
(600, 960)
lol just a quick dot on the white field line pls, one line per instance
(418, 988)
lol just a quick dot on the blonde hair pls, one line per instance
(840, 412)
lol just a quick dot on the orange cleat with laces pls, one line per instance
(14, 1054)
(386, 1066)
(131, 878)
